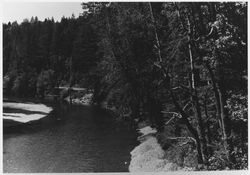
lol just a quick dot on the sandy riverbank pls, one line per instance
(149, 156)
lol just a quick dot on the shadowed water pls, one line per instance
(71, 139)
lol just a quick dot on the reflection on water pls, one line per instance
(70, 139)
(24, 112)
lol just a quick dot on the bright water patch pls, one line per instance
(24, 118)
(28, 107)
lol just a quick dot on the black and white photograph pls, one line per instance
(124, 87)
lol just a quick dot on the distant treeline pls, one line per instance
(39, 55)
(184, 64)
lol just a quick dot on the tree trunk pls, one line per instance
(156, 105)
(217, 91)
(193, 131)
(219, 107)
(155, 33)
(207, 125)
(194, 97)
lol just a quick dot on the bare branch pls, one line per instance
(176, 138)
(186, 105)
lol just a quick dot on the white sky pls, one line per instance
(17, 11)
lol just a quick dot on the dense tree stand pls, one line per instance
(180, 67)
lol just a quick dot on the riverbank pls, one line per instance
(86, 99)
(149, 156)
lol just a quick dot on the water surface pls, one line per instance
(71, 139)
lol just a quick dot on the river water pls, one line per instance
(71, 139)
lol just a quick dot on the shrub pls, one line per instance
(45, 82)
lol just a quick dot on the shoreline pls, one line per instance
(149, 155)
(86, 99)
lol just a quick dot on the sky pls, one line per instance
(18, 11)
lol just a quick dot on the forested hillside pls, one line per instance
(182, 67)
(40, 55)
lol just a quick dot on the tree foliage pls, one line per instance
(181, 66)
